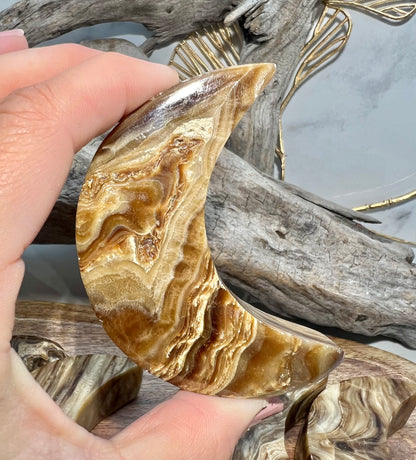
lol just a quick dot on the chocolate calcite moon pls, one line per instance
(145, 260)
(352, 419)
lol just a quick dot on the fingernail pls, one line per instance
(247, 408)
(274, 406)
(12, 33)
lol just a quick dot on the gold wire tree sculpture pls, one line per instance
(218, 46)
(215, 47)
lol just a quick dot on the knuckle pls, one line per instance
(31, 106)
(114, 58)
(36, 102)
(74, 48)
(26, 114)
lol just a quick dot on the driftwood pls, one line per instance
(77, 329)
(298, 255)
(74, 327)
(118, 45)
(267, 22)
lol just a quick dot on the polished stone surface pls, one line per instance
(347, 131)
(267, 439)
(35, 351)
(352, 419)
(89, 388)
(144, 256)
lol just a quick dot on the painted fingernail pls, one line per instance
(12, 33)
(274, 406)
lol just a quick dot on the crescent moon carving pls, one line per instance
(145, 260)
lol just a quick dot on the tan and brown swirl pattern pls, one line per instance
(35, 351)
(145, 260)
(267, 439)
(352, 419)
(89, 388)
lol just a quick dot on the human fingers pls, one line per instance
(12, 40)
(11, 278)
(34, 65)
(188, 426)
(41, 127)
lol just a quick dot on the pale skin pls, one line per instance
(52, 102)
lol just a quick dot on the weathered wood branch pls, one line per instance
(276, 31)
(46, 19)
(296, 257)
(118, 45)
(300, 256)
(301, 260)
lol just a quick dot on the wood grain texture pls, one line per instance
(360, 360)
(168, 20)
(35, 351)
(95, 380)
(307, 261)
(267, 439)
(74, 327)
(145, 260)
(277, 438)
(77, 329)
(278, 30)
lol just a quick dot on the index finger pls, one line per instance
(43, 125)
(12, 40)
(30, 66)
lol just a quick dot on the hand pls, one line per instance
(53, 101)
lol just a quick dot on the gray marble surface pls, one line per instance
(349, 136)
(350, 131)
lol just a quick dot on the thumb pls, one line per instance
(188, 426)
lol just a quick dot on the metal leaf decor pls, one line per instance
(329, 37)
(218, 46)
(390, 9)
(331, 34)
(213, 48)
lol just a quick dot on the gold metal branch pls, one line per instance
(219, 46)
(387, 203)
(389, 9)
(214, 47)
(329, 37)
(394, 238)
